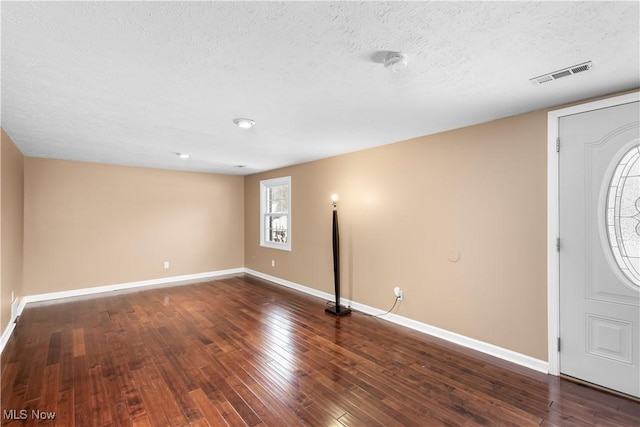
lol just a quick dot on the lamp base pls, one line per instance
(338, 310)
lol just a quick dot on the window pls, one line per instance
(275, 213)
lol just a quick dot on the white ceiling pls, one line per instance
(133, 83)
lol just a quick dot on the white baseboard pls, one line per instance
(293, 285)
(481, 346)
(7, 334)
(493, 350)
(474, 344)
(174, 280)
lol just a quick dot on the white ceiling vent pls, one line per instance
(574, 69)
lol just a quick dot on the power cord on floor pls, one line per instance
(333, 304)
(388, 311)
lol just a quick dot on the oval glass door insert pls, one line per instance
(623, 215)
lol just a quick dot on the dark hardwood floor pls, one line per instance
(239, 351)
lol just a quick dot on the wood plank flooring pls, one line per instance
(242, 352)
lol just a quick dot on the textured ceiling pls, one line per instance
(135, 82)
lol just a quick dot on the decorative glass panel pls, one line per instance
(623, 215)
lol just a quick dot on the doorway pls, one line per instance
(593, 283)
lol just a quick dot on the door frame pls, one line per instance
(553, 216)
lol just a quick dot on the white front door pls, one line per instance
(599, 203)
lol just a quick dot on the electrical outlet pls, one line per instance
(273, 263)
(398, 293)
(13, 297)
(166, 264)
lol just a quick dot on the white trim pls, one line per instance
(7, 334)
(553, 266)
(293, 285)
(174, 280)
(16, 309)
(553, 259)
(483, 347)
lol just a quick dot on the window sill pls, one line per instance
(276, 246)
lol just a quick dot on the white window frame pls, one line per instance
(264, 186)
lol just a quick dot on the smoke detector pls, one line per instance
(565, 72)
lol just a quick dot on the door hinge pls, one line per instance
(558, 244)
(558, 144)
(558, 344)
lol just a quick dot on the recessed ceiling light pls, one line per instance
(244, 123)
(240, 166)
(183, 155)
(396, 61)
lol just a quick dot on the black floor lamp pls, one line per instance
(337, 309)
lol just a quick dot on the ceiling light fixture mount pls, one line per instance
(183, 155)
(395, 61)
(244, 123)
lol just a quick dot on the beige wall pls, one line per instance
(11, 225)
(480, 190)
(90, 224)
